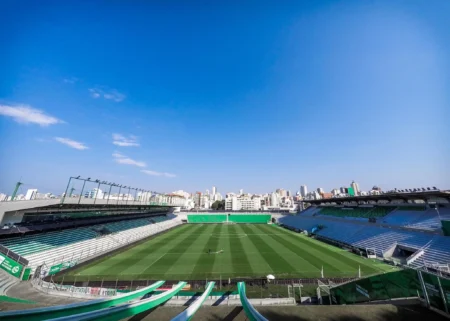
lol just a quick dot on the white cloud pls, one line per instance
(70, 80)
(110, 94)
(153, 173)
(71, 143)
(122, 159)
(123, 141)
(25, 114)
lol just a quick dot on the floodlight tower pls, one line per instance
(13, 196)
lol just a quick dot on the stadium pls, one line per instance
(383, 257)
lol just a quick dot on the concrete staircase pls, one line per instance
(6, 281)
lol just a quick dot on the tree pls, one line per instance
(215, 205)
(218, 205)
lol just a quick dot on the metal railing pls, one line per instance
(16, 257)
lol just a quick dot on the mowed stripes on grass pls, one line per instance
(237, 251)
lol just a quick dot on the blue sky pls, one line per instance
(168, 95)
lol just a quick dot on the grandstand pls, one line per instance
(411, 230)
(227, 258)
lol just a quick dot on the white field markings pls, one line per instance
(222, 262)
(346, 254)
(147, 266)
(187, 276)
(187, 261)
(240, 234)
(142, 263)
(257, 262)
(327, 262)
(294, 259)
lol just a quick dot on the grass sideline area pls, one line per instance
(236, 251)
(8, 299)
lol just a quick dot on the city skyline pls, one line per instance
(97, 188)
(170, 101)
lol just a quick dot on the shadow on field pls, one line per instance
(142, 315)
(355, 313)
(385, 312)
(233, 314)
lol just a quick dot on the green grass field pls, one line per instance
(244, 250)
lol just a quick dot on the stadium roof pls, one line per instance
(427, 196)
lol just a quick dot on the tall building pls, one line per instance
(214, 191)
(274, 200)
(95, 193)
(320, 190)
(355, 187)
(31, 194)
(303, 191)
(198, 199)
(241, 191)
(232, 204)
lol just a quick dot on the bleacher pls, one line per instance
(41, 242)
(81, 243)
(417, 217)
(358, 212)
(381, 238)
(310, 211)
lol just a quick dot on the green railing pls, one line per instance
(75, 308)
(250, 311)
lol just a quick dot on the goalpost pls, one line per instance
(228, 221)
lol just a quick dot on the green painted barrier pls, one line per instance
(235, 218)
(26, 274)
(61, 266)
(250, 311)
(187, 314)
(75, 308)
(393, 285)
(212, 218)
(434, 293)
(446, 227)
(253, 219)
(126, 310)
(10, 266)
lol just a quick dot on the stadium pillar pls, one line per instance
(109, 193)
(96, 192)
(442, 294)
(118, 195)
(13, 196)
(65, 193)
(81, 193)
(424, 289)
(128, 195)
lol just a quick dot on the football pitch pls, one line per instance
(222, 251)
